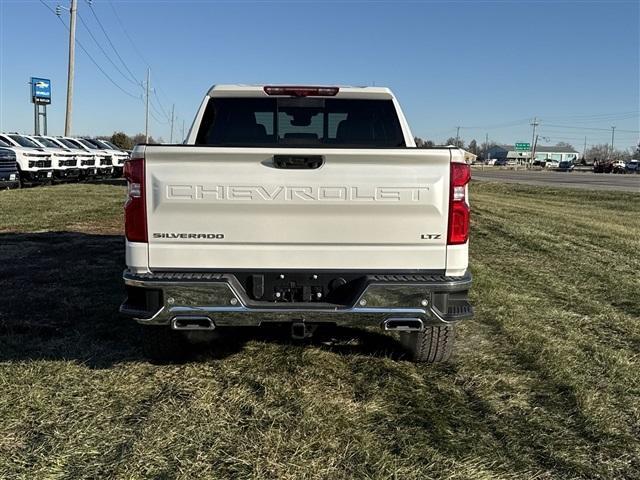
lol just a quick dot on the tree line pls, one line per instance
(595, 152)
(473, 147)
(127, 142)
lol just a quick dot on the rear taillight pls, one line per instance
(135, 218)
(458, 206)
(293, 91)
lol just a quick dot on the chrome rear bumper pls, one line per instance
(424, 300)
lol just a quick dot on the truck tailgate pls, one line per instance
(230, 208)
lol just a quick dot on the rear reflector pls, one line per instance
(458, 208)
(292, 91)
(135, 215)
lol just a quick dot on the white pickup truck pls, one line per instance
(302, 206)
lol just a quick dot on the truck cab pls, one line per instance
(304, 205)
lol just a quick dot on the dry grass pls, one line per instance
(545, 383)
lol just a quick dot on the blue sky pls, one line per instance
(487, 66)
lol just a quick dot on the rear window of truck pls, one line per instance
(300, 122)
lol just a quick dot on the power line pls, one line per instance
(160, 104)
(109, 40)
(139, 53)
(164, 122)
(89, 55)
(512, 123)
(127, 34)
(588, 128)
(597, 117)
(156, 118)
(104, 52)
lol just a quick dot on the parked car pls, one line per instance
(104, 162)
(619, 167)
(86, 161)
(64, 162)
(552, 164)
(500, 162)
(379, 250)
(633, 166)
(34, 164)
(602, 167)
(9, 176)
(118, 156)
(565, 166)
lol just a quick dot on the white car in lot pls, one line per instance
(86, 161)
(34, 163)
(104, 161)
(552, 164)
(64, 162)
(118, 156)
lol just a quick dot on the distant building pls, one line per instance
(509, 152)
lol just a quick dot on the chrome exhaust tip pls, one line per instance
(192, 323)
(403, 324)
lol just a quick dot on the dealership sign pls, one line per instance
(523, 147)
(40, 90)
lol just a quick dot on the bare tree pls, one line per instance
(565, 145)
(139, 138)
(482, 151)
(420, 143)
(473, 147)
(596, 152)
(453, 141)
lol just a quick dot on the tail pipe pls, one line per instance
(192, 323)
(403, 324)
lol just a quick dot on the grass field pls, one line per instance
(545, 382)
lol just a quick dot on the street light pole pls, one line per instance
(71, 67)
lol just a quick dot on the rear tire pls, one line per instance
(161, 344)
(431, 345)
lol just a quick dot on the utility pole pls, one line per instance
(534, 124)
(486, 146)
(533, 147)
(146, 115)
(71, 67)
(584, 150)
(171, 135)
(457, 135)
(183, 139)
(613, 131)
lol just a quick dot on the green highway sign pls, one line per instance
(523, 147)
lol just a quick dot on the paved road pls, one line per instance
(587, 180)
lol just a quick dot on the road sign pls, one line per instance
(40, 91)
(523, 147)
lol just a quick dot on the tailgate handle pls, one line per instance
(298, 162)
